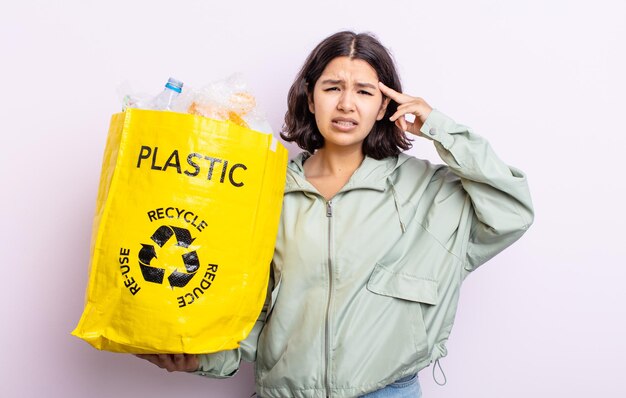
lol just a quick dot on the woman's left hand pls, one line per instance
(173, 362)
(407, 105)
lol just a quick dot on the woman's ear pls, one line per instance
(383, 108)
(309, 97)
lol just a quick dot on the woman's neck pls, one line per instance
(331, 162)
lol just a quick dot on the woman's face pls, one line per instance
(346, 102)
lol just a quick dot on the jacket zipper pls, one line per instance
(329, 215)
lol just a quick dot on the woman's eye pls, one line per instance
(332, 89)
(365, 92)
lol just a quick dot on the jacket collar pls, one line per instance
(371, 174)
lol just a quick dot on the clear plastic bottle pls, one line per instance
(165, 99)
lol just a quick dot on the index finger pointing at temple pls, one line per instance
(393, 94)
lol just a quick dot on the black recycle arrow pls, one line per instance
(150, 274)
(148, 252)
(180, 279)
(165, 232)
(191, 261)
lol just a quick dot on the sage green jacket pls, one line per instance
(366, 285)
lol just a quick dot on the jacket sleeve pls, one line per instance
(225, 364)
(501, 205)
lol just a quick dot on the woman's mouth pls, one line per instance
(344, 124)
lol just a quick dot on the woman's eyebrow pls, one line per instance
(332, 81)
(368, 85)
(340, 81)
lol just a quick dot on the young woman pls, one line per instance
(373, 244)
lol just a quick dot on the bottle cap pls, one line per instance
(174, 84)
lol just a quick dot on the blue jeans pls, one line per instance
(406, 387)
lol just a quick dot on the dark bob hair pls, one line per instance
(385, 139)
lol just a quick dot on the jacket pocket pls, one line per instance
(402, 285)
(411, 292)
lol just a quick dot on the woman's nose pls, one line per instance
(346, 102)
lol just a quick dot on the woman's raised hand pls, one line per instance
(173, 362)
(407, 105)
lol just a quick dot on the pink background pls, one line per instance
(543, 80)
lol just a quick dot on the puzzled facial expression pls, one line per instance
(346, 102)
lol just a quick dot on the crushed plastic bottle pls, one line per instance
(165, 99)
